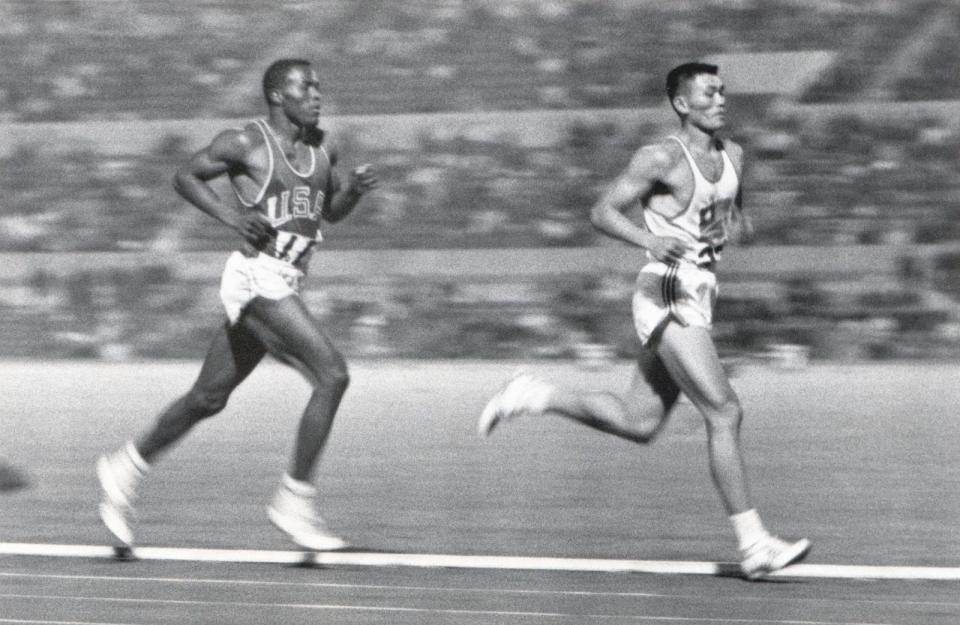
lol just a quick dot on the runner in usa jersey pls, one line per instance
(292, 199)
(283, 173)
(674, 205)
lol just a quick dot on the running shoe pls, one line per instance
(523, 394)
(772, 554)
(295, 514)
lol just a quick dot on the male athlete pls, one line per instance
(688, 187)
(283, 175)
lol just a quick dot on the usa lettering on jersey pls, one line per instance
(294, 203)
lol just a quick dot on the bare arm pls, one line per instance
(342, 199)
(743, 222)
(648, 166)
(228, 150)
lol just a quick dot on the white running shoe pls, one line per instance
(296, 516)
(523, 394)
(772, 554)
(119, 478)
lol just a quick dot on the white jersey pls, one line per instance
(705, 221)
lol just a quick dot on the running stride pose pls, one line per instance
(283, 175)
(688, 187)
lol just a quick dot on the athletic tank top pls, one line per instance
(291, 199)
(704, 222)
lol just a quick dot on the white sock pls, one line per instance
(136, 460)
(298, 487)
(749, 528)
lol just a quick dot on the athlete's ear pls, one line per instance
(681, 105)
(275, 97)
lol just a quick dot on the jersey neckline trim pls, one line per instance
(724, 160)
(313, 154)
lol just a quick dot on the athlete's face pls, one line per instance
(702, 103)
(301, 96)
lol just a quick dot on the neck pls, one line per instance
(698, 138)
(283, 127)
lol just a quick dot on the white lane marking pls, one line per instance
(423, 560)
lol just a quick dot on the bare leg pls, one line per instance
(638, 416)
(293, 336)
(691, 358)
(233, 354)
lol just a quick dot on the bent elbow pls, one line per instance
(178, 182)
(598, 218)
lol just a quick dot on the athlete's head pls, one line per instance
(696, 93)
(293, 85)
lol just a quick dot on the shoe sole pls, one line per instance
(116, 524)
(489, 417)
(801, 549)
(330, 543)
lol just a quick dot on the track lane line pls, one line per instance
(423, 560)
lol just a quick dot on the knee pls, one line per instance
(203, 403)
(643, 427)
(339, 377)
(725, 417)
(332, 375)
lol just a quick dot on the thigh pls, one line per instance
(652, 383)
(291, 334)
(690, 356)
(233, 353)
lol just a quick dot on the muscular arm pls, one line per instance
(648, 166)
(191, 181)
(228, 150)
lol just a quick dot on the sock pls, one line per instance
(298, 487)
(748, 527)
(136, 460)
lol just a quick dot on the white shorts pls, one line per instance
(247, 277)
(685, 293)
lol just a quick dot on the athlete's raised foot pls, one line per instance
(772, 554)
(522, 394)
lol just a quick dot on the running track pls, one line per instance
(861, 459)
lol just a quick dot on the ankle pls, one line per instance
(298, 487)
(748, 528)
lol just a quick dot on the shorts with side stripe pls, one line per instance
(684, 293)
(247, 277)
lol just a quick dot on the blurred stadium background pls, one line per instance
(494, 124)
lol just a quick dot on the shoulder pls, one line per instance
(234, 144)
(657, 159)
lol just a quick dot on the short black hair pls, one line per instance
(276, 75)
(681, 74)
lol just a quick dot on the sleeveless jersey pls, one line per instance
(291, 199)
(704, 222)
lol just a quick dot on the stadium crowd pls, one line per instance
(846, 179)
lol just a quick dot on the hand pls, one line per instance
(668, 249)
(255, 228)
(362, 179)
(747, 233)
